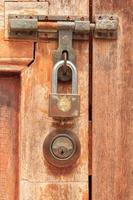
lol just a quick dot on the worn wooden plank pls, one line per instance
(11, 68)
(9, 138)
(50, 191)
(69, 7)
(36, 125)
(16, 52)
(113, 107)
(37, 180)
(24, 8)
(27, 1)
(1, 13)
(90, 148)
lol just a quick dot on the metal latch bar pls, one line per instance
(47, 27)
(33, 24)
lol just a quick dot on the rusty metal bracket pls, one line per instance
(22, 27)
(106, 27)
(47, 27)
(65, 44)
(65, 29)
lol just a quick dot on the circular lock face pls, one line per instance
(61, 148)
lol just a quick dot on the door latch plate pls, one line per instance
(106, 27)
(23, 27)
(47, 27)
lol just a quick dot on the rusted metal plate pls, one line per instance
(106, 26)
(18, 9)
(46, 27)
(64, 105)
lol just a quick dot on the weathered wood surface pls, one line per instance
(36, 125)
(113, 107)
(21, 8)
(9, 137)
(38, 181)
(90, 149)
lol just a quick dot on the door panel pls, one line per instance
(33, 61)
(25, 85)
(36, 175)
(9, 136)
(113, 107)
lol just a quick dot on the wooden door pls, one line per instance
(104, 80)
(25, 85)
(113, 107)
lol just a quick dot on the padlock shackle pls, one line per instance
(55, 76)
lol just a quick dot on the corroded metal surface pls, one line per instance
(105, 26)
(61, 148)
(64, 105)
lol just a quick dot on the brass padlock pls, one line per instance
(61, 148)
(64, 105)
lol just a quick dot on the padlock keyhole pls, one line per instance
(62, 152)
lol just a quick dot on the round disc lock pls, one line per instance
(61, 148)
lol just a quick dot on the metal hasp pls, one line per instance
(64, 44)
(66, 29)
(47, 27)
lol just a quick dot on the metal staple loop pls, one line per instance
(65, 58)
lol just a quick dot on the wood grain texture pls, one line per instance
(113, 107)
(11, 68)
(37, 180)
(9, 138)
(48, 182)
(36, 125)
(52, 191)
(90, 148)
(69, 7)
(16, 52)
(24, 8)
(13, 52)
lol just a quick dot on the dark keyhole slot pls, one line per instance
(62, 152)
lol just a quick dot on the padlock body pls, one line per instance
(64, 105)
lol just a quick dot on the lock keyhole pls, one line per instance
(62, 152)
(62, 147)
